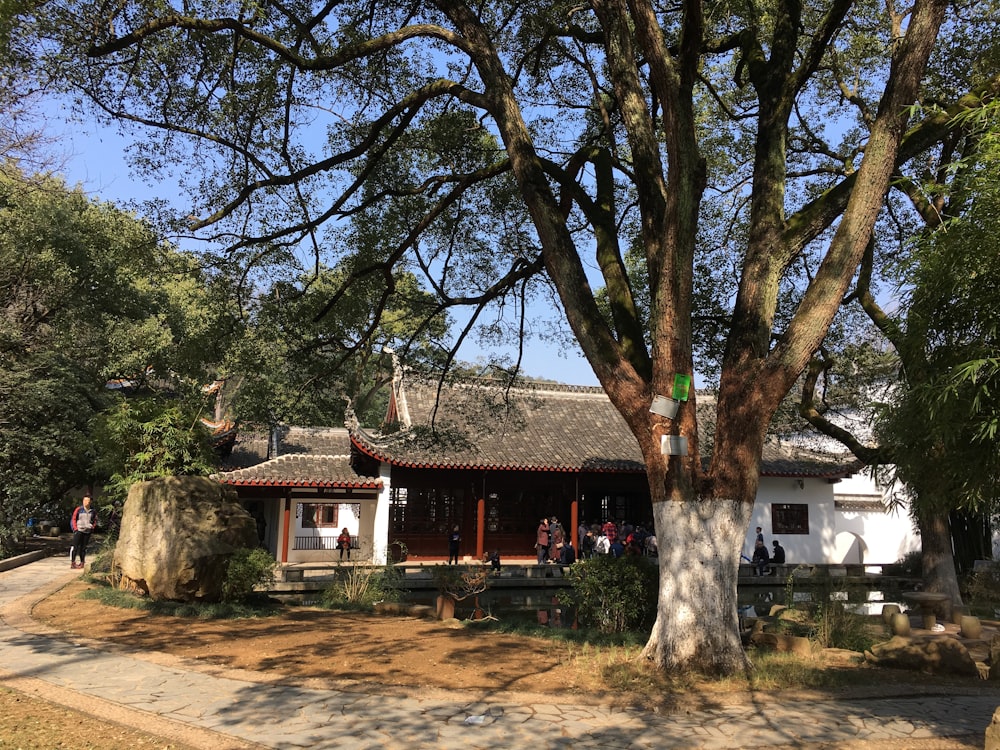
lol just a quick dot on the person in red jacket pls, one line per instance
(83, 522)
(344, 543)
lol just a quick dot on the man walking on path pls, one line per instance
(83, 522)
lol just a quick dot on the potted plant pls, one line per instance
(455, 583)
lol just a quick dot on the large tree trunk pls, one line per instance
(697, 624)
(938, 562)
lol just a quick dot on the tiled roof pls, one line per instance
(538, 427)
(299, 470)
(307, 457)
(251, 446)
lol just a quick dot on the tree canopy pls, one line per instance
(515, 152)
(920, 372)
(90, 294)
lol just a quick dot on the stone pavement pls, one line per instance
(206, 707)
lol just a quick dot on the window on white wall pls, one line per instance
(789, 518)
(318, 515)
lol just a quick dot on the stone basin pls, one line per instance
(928, 603)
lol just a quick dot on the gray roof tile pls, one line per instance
(298, 470)
(307, 457)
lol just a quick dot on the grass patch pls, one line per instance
(589, 636)
(622, 669)
(617, 659)
(254, 606)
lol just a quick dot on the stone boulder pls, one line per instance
(992, 739)
(177, 534)
(931, 655)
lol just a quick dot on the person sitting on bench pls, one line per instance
(777, 557)
(760, 558)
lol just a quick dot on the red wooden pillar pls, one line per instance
(288, 529)
(574, 523)
(480, 527)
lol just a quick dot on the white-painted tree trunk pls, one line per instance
(697, 626)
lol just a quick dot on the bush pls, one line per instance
(911, 564)
(247, 569)
(613, 595)
(839, 627)
(102, 560)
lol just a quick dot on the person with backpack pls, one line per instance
(83, 522)
(567, 554)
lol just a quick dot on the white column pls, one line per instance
(380, 532)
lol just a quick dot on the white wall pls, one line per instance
(835, 536)
(358, 516)
(380, 519)
(818, 495)
(879, 538)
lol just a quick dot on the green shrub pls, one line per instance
(247, 569)
(911, 564)
(613, 595)
(102, 559)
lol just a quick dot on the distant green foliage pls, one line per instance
(304, 352)
(614, 595)
(88, 293)
(911, 564)
(145, 438)
(983, 586)
(247, 569)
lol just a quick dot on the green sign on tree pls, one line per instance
(682, 384)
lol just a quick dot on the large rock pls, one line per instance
(932, 655)
(993, 733)
(176, 535)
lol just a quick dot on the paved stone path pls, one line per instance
(217, 710)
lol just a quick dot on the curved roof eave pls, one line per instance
(265, 482)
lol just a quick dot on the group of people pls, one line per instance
(761, 559)
(616, 540)
(553, 544)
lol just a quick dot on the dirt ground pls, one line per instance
(354, 650)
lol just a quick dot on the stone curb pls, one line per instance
(9, 563)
